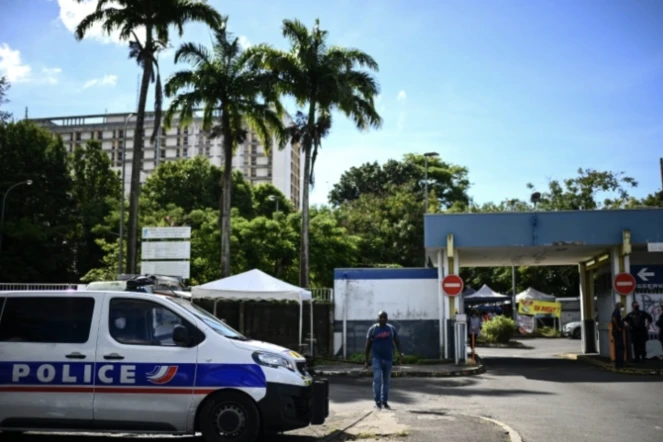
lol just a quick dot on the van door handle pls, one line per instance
(75, 355)
(113, 357)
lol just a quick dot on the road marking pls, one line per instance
(513, 434)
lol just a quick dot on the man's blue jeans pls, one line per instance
(381, 378)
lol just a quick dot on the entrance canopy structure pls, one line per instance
(256, 285)
(531, 293)
(602, 243)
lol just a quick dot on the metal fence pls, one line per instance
(322, 295)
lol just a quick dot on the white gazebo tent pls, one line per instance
(534, 294)
(255, 285)
(486, 294)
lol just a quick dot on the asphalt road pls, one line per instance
(543, 398)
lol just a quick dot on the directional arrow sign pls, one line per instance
(645, 275)
(648, 277)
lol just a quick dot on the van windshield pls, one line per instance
(210, 320)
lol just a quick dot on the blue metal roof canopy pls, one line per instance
(540, 238)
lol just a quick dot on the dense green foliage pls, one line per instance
(499, 330)
(64, 227)
(50, 226)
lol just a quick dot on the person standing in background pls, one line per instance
(618, 335)
(639, 323)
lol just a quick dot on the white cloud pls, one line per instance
(16, 71)
(244, 42)
(72, 13)
(50, 75)
(402, 96)
(11, 65)
(106, 80)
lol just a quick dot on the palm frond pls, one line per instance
(180, 80)
(295, 31)
(193, 53)
(110, 18)
(187, 11)
(351, 58)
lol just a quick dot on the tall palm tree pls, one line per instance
(324, 79)
(156, 18)
(234, 96)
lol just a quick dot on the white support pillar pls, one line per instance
(446, 300)
(440, 300)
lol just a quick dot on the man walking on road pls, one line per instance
(639, 322)
(380, 339)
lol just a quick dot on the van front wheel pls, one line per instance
(230, 417)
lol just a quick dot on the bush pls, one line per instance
(499, 330)
(548, 332)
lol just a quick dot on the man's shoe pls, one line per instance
(378, 407)
(386, 406)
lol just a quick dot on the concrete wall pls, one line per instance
(409, 296)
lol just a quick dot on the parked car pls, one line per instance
(573, 330)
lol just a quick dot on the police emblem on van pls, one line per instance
(162, 374)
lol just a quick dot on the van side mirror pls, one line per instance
(181, 336)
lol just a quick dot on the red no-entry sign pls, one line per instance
(452, 285)
(624, 284)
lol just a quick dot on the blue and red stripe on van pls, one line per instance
(140, 378)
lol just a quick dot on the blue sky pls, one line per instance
(517, 91)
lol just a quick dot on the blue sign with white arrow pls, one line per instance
(648, 277)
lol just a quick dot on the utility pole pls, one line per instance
(661, 174)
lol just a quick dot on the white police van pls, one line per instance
(144, 363)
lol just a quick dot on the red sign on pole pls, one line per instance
(452, 285)
(624, 284)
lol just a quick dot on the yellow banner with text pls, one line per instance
(533, 307)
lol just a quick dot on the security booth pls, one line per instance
(604, 244)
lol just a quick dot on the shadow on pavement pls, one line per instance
(558, 370)
(345, 390)
(142, 438)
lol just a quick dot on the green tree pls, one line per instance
(38, 218)
(321, 79)
(192, 184)
(156, 18)
(449, 182)
(589, 190)
(266, 198)
(390, 226)
(4, 87)
(234, 95)
(96, 192)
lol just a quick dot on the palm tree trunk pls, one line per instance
(226, 195)
(308, 145)
(137, 163)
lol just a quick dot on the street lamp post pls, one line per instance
(275, 199)
(426, 156)
(124, 174)
(2, 214)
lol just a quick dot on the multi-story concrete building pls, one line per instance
(282, 168)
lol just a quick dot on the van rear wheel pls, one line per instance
(230, 417)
